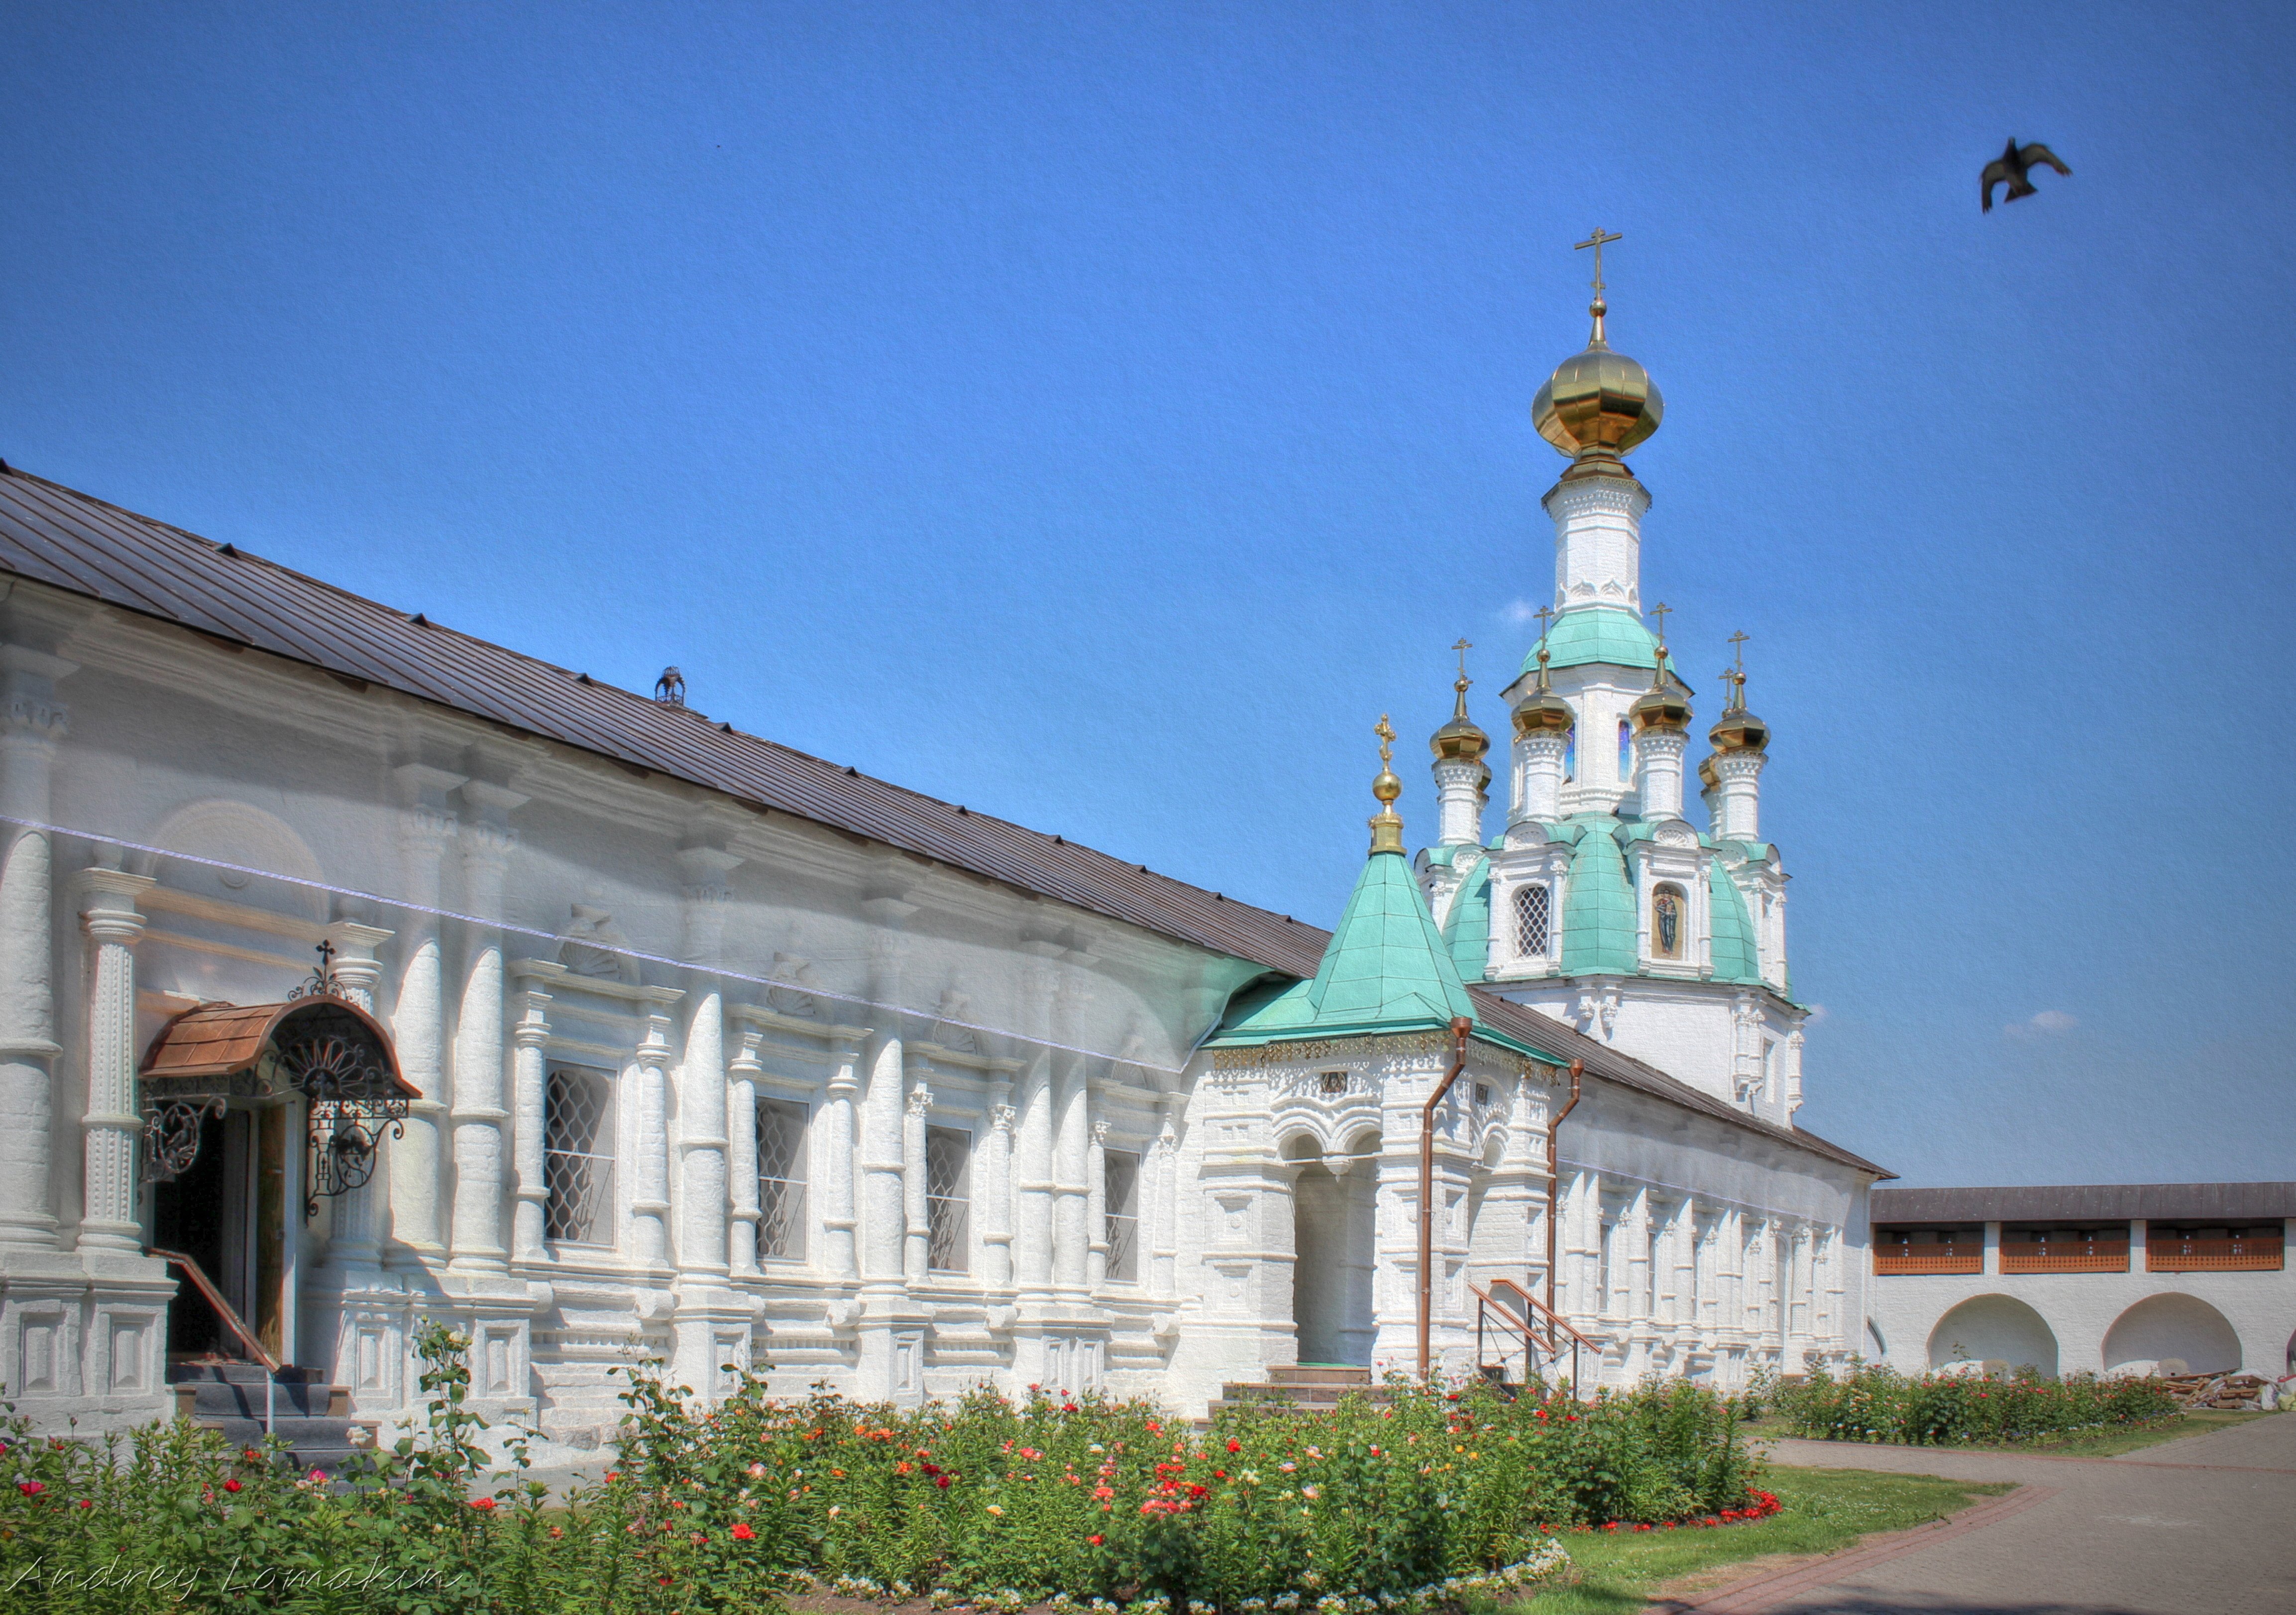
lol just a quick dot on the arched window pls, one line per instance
(1571, 753)
(1626, 752)
(1532, 907)
(1667, 913)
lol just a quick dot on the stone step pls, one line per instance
(1317, 1374)
(236, 1398)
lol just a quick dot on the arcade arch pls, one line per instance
(2172, 1326)
(1995, 1326)
(1335, 1211)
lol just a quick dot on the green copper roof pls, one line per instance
(1386, 971)
(1599, 936)
(1467, 930)
(1610, 634)
(1736, 957)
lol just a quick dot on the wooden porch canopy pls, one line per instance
(227, 1039)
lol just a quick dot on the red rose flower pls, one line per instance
(485, 1505)
(33, 1488)
(229, 1485)
(1096, 1539)
(1234, 1445)
(941, 1481)
(741, 1531)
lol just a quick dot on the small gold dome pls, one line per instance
(1545, 713)
(1459, 741)
(1662, 705)
(1706, 775)
(1598, 405)
(1739, 730)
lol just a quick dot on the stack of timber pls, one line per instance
(2232, 1392)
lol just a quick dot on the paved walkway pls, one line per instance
(2201, 1526)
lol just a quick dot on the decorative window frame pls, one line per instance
(1655, 864)
(1546, 865)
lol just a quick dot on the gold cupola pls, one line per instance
(1460, 741)
(1661, 706)
(1599, 405)
(1545, 712)
(1737, 729)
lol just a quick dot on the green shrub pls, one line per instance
(1275, 1508)
(1874, 1403)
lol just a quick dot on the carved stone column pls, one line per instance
(1096, 1202)
(1166, 1225)
(426, 829)
(884, 1217)
(355, 1240)
(916, 1243)
(32, 722)
(837, 1118)
(649, 1154)
(702, 1143)
(529, 1104)
(110, 1125)
(478, 1116)
(741, 1139)
(994, 1200)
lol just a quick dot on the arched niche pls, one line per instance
(1333, 1213)
(223, 840)
(2172, 1326)
(1995, 1326)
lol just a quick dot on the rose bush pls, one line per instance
(1420, 1493)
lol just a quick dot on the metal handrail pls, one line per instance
(1555, 1320)
(1485, 1301)
(1486, 1306)
(232, 1321)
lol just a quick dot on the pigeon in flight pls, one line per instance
(2011, 167)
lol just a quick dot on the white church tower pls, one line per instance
(1601, 904)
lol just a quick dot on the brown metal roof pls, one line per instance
(76, 542)
(2087, 1203)
(224, 1039)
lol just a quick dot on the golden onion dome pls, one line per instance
(1706, 774)
(1598, 405)
(1543, 712)
(1459, 741)
(1662, 706)
(1739, 730)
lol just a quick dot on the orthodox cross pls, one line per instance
(1597, 240)
(1463, 647)
(1736, 675)
(1544, 614)
(1660, 611)
(1386, 733)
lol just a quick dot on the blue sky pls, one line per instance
(1099, 415)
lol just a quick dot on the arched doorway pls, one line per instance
(2183, 1327)
(1998, 1326)
(1333, 1213)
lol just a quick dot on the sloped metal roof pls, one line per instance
(2089, 1202)
(75, 542)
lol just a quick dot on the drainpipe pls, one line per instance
(1554, 1190)
(1461, 1026)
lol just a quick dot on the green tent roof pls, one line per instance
(1387, 969)
(1599, 934)
(1735, 956)
(1467, 930)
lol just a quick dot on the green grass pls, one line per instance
(1824, 1511)
(2104, 1445)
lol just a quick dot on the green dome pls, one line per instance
(1598, 908)
(1467, 932)
(1735, 956)
(1610, 634)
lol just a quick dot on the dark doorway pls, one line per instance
(204, 1214)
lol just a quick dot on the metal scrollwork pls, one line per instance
(171, 1135)
(352, 1096)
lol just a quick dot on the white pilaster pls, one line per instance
(32, 722)
(1538, 776)
(1095, 1215)
(426, 828)
(741, 1072)
(995, 1200)
(650, 1154)
(838, 1222)
(356, 1236)
(530, 1102)
(478, 1115)
(1459, 797)
(916, 1242)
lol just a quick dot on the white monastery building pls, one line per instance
(378, 974)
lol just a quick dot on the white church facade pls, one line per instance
(381, 974)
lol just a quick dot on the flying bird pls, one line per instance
(2011, 167)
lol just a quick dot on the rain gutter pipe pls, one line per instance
(1461, 1025)
(1554, 1190)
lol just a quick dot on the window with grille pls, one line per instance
(949, 1200)
(1533, 906)
(1120, 1182)
(781, 1180)
(578, 1156)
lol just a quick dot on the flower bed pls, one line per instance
(1871, 1403)
(1420, 1501)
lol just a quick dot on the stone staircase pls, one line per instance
(313, 1418)
(1302, 1384)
